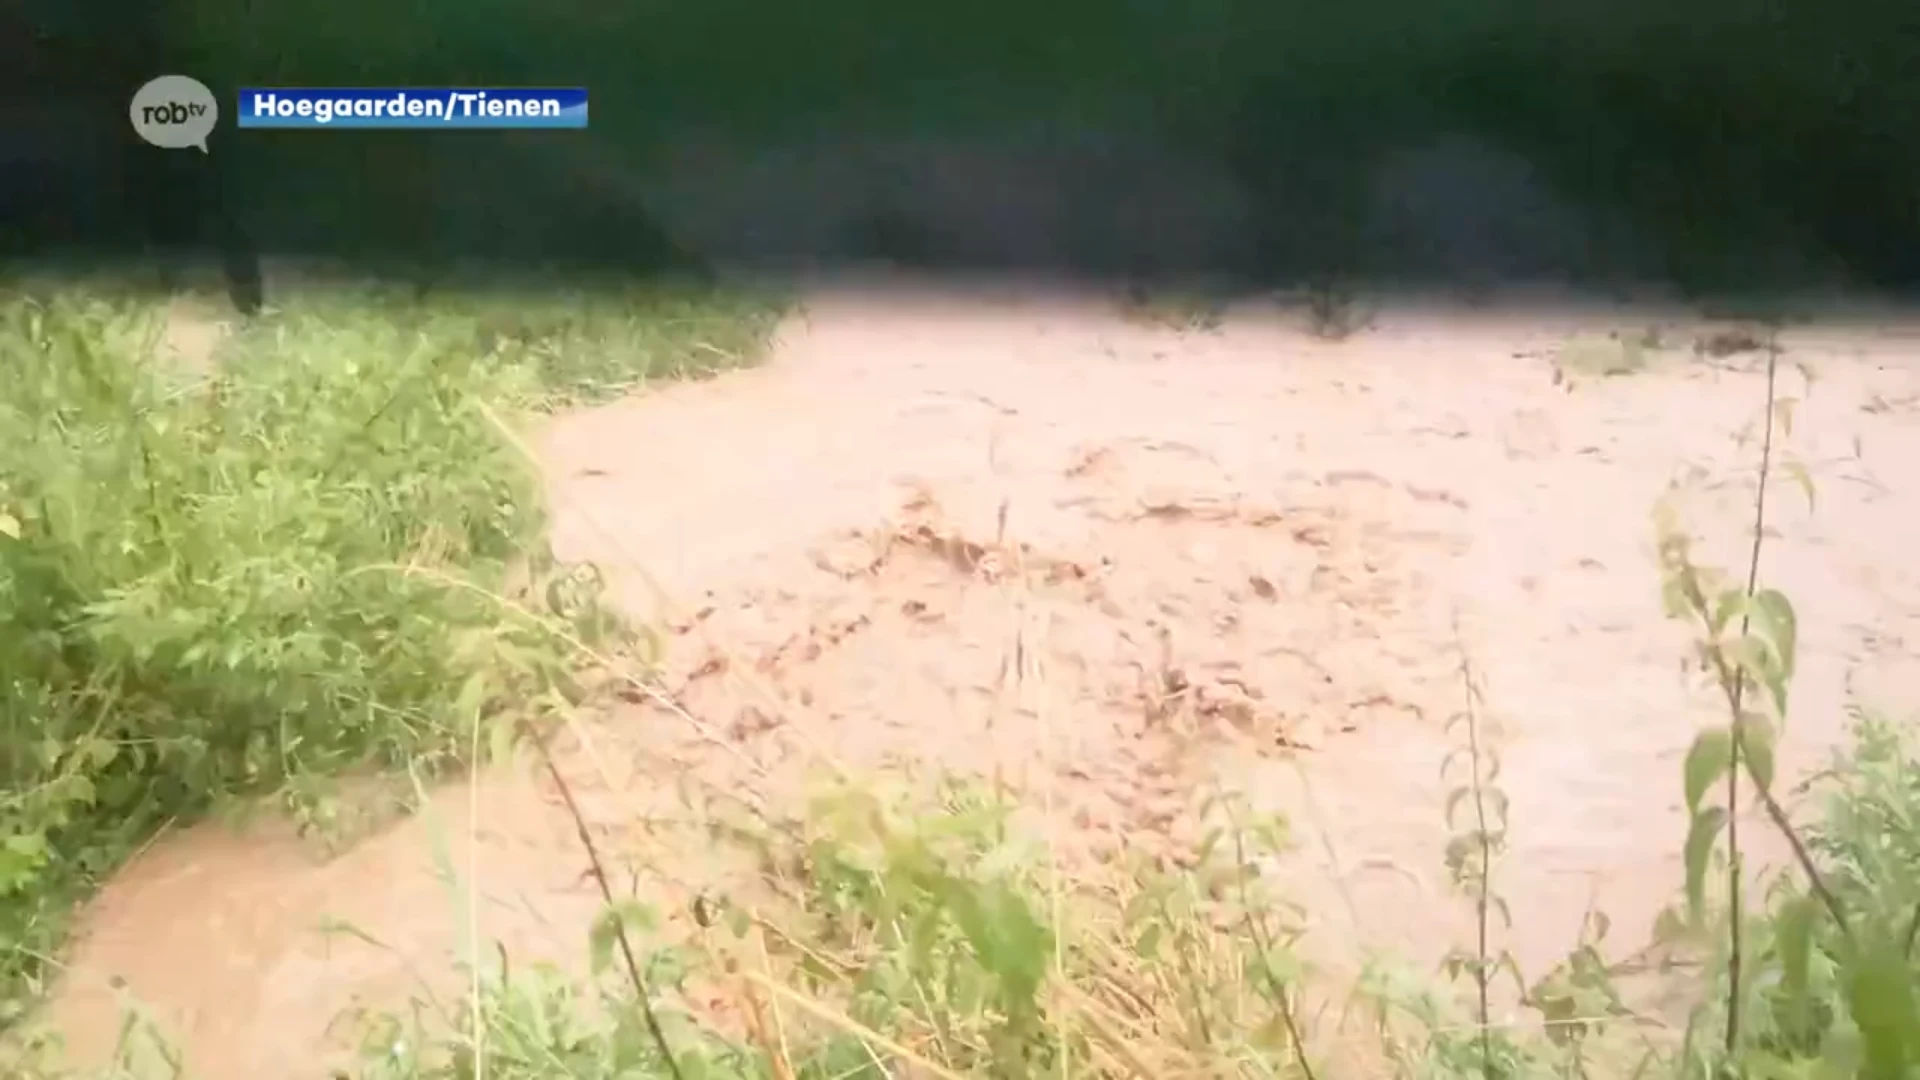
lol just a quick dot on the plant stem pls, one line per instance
(1735, 694)
(1777, 814)
(599, 872)
(1481, 974)
(1257, 929)
(1734, 698)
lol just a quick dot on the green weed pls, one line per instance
(1819, 978)
(239, 585)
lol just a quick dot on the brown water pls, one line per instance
(1113, 563)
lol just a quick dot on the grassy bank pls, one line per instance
(227, 574)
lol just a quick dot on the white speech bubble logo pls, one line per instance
(174, 112)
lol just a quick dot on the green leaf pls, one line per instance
(1757, 741)
(1760, 1065)
(101, 751)
(1880, 998)
(1147, 944)
(1460, 854)
(1753, 656)
(1841, 1054)
(1701, 835)
(1497, 806)
(1728, 606)
(1006, 937)
(622, 916)
(1780, 625)
(739, 921)
(1793, 938)
(1783, 414)
(32, 846)
(1670, 927)
(472, 696)
(1799, 475)
(1707, 761)
(1498, 906)
(1673, 597)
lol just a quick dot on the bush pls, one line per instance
(1817, 993)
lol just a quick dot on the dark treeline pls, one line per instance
(1728, 131)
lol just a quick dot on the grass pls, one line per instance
(241, 586)
(219, 586)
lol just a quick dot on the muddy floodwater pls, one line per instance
(1238, 554)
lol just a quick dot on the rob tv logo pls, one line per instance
(173, 112)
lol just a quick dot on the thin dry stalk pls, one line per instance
(757, 1026)
(851, 1026)
(779, 1021)
(1092, 1011)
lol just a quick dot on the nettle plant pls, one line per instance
(1477, 818)
(1425, 1029)
(1803, 987)
(1576, 1002)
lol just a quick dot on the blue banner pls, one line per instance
(492, 107)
